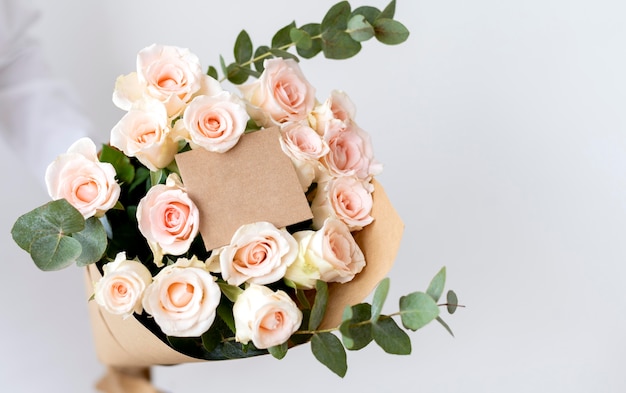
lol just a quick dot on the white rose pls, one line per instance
(346, 198)
(169, 74)
(214, 123)
(143, 132)
(121, 288)
(330, 254)
(265, 317)
(258, 253)
(183, 298)
(86, 183)
(305, 148)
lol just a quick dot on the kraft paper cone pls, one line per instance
(127, 343)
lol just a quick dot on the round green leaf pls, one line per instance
(390, 337)
(54, 252)
(337, 17)
(360, 29)
(417, 310)
(390, 32)
(93, 241)
(301, 38)
(370, 13)
(337, 44)
(313, 29)
(329, 351)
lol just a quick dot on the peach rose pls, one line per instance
(305, 148)
(183, 298)
(121, 288)
(281, 93)
(143, 132)
(214, 123)
(346, 198)
(336, 107)
(79, 177)
(351, 152)
(258, 253)
(168, 219)
(169, 74)
(265, 317)
(330, 254)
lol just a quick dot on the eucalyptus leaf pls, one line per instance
(390, 32)
(389, 11)
(261, 53)
(417, 310)
(314, 31)
(453, 302)
(284, 54)
(329, 351)
(337, 44)
(243, 47)
(388, 335)
(336, 17)
(378, 301)
(93, 241)
(360, 29)
(319, 304)
(445, 325)
(212, 72)
(54, 252)
(279, 351)
(356, 329)
(124, 170)
(370, 13)
(236, 74)
(282, 37)
(211, 339)
(435, 288)
(301, 38)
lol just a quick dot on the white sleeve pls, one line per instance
(40, 115)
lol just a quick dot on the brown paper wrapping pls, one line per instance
(125, 344)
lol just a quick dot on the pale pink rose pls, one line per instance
(169, 74)
(168, 219)
(346, 198)
(215, 123)
(86, 183)
(351, 152)
(329, 254)
(183, 298)
(143, 132)
(265, 317)
(121, 288)
(281, 93)
(258, 253)
(336, 107)
(305, 148)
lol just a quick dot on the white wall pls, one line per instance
(501, 125)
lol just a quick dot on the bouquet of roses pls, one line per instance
(219, 225)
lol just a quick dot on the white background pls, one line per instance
(501, 125)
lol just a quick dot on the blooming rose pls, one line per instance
(183, 298)
(346, 198)
(214, 122)
(351, 152)
(338, 106)
(330, 254)
(167, 73)
(168, 218)
(258, 253)
(265, 317)
(143, 132)
(304, 147)
(86, 183)
(121, 288)
(281, 93)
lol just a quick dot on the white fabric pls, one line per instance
(39, 113)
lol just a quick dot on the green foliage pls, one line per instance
(390, 337)
(356, 328)
(279, 351)
(319, 304)
(124, 169)
(51, 234)
(380, 295)
(338, 36)
(453, 302)
(417, 310)
(329, 351)
(435, 288)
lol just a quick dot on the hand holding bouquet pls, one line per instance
(228, 224)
